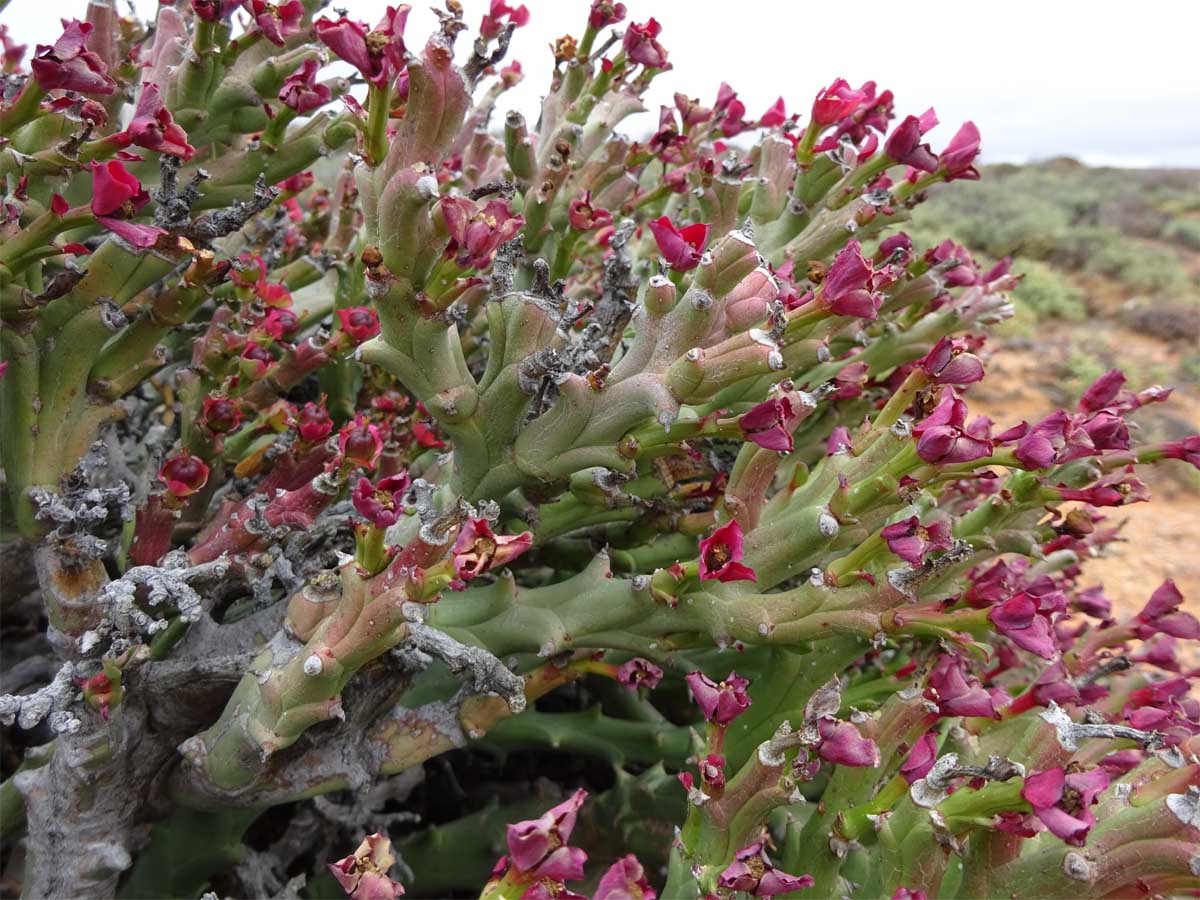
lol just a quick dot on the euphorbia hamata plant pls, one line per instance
(344, 417)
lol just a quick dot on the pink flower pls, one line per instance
(1162, 615)
(641, 45)
(712, 774)
(585, 217)
(920, 759)
(904, 144)
(1022, 620)
(302, 92)
(751, 871)
(478, 549)
(378, 54)
(278, 323)
(846, 289)
(1055, 439)
(539, 846)
(910, 540)
(839, 441)
(722, 702)
(214, 10)
(360, 443)
(477, 229)
(363, 874)
(948, 362)
(605, 12)
(836, 102)
(359, 322)
(775, 115)
(770, 424)
(221, 415)
(381, 504)
(116, 197)
(956, 160)
(720, 553)
(955, 693)
(944, 437)
(183, 474)
(637, 672)
(1063, 801)
(681, 247)
(69, 66)
(491, 25)
(903, 893)
(313, 422)
(842, 743)
(153, 128)
(624, 880)
(276, 23)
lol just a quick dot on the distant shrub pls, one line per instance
(1183, 231)
(1048, 294)
(1143, 267)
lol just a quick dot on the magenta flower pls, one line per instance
(221, 415)
(920, 758)
(1102, 392)
(641, 45)
(583, 216)
(68, 65)
(712, 774)
(836, 102)
(605, 12)
(359, 322)
(751, 871)
(682, 248)
(313, 422)
(539, 846)
(1063, 801)
(1021, 619)
(944, 437)
(720, 555)
(904, 143)
(775, 115)
(956, 160)
(1055, 439)
(955, 693)
(277, 23)
(846, 290)
(377, 54)
(183, 474)
(639, 672)
(770, 424)
(903, 893)
(722, 702)
(1162, 615)
(948, 362)
(116, 198)
(841, 743)
(624, 880)
(381, 504)
(491, 25)
(839, 441)
(364, 874)
(153, 127)
(302, 92)
(477, 229)
(910, 540)
(478, 549)
(360, 443)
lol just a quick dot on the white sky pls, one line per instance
(1109, 83)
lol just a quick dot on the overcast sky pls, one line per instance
(1108, 83)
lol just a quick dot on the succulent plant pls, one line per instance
(346, 425)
